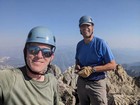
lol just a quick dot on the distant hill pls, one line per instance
(133, 69)
(65, 57)
(126, 56)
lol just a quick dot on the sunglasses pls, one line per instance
(34, 50)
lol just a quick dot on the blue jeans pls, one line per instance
(92, 92)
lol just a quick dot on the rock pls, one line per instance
(121, 88)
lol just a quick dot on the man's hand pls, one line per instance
(85, 71)
(77, 68)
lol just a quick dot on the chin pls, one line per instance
(37, 69)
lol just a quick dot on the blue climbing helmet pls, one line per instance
(85, 20)
(42, 35)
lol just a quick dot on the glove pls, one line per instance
(85, 71)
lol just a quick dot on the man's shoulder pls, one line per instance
(10, 70)
(51, 78)
(80, 42)
(99, 40)
(9, 74)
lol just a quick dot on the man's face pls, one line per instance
(86, 30)
(37, 58)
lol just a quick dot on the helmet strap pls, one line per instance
(33, 72)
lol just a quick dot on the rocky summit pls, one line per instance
(122, 89)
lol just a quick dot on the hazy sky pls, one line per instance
(116, 21)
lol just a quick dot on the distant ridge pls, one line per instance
(3, 59)
(65, 57)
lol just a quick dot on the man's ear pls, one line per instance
(52, 57)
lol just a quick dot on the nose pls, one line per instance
(40, 55)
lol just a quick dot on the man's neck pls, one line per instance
(35, 77)
(87, 40)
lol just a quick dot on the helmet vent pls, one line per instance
(43, 38)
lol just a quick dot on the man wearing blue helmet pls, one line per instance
(93, 59)
(31, 84)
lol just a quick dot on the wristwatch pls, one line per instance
(94, 70)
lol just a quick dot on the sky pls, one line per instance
(116, 21)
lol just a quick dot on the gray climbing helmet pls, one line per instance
(42, 35)
(85, 20)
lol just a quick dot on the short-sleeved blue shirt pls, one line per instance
(96, 52)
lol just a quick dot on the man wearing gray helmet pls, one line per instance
(93, 59)
(31, 84)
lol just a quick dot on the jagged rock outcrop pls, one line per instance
(121, 88)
